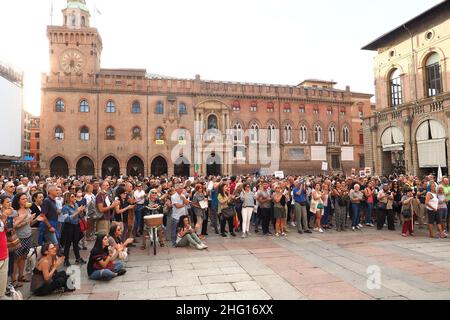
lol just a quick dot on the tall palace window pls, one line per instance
(433, 73)
(396, 88)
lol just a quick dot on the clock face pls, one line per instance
(72, 61)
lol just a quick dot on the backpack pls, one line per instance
(92, 211)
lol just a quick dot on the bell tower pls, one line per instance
(75, 47)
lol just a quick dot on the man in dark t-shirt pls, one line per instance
(49, 213)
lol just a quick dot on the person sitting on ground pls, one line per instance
(186, 235)
(102, 264)
(115, 241)
(46, 279)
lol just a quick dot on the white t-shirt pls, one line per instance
(89, 198)
(139, 196)
(177, 212)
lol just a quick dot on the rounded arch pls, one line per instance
(392, 69)
(213, 100)
(435, 128)
(110, 166)
(182, 166)
(85, 166)
(159, 166)
(425, 55)
(59, 167)
(135, 166)
(84, 105)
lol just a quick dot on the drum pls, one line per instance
(154, 221)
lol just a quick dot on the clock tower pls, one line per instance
(75, 47)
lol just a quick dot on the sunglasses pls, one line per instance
(154, 193)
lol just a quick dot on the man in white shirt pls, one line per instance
(139, 195)
(59, 205)
(179, 209)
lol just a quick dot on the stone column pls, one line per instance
(408, 159)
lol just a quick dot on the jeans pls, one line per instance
(47, 236)
(356, 216)
(265, 218)
(326, 216)
(71, 236)
(369, 213)
(174, 231)
(223, 222)
(137, 218)
(191, 238)
(106, 274)
(213, 216)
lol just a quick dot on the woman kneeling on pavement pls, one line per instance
(102, 264)
(186, 235)
(46, 279)
(115, 241)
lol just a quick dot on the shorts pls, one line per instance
(434, 217)
(444, 213)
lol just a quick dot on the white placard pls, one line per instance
(347, 154)
(318, 153)
(324, 166)
(368, 171)
(279, 174)
(362, 174)
(203, 204)
(191, 179)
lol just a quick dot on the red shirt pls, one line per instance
(232, 187)
(3, 245)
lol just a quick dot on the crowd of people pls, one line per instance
(63, 213)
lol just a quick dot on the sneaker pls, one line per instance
(353, 228)
(284, 234)
(372, 225)
(277, 235)
(243, 236)
(368, 225)
(316, 229)
(67, 263)
(248, 234)
(293, 224)
(360, 225)
(233, 234)
(121, 272)
(320, 230)
(199, 247)
(205, 246)
(80, 261)
(404, 235)
(308, 231)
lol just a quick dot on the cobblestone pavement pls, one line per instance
(300, 267)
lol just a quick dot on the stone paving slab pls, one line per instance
(318, 267)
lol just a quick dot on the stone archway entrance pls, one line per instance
(393, 159)
(59, 167)
(85, 167)
(182, 167)
(135, 167)
(431, 147)
(159, 167)
(213, 165)
(110, 167)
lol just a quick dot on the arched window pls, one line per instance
(84, 106)
(159, 134)
(433, 75)
(84, 134)
(396, 88)
(332, 135)
(271, 134)
(303, 135)
(60, 106)
(287, 133)
(136, 133)
(182, 108)
(110, 107)
(254, 133)
(110, 133)
(136, 107)
(159, 108)
(237, 134)
(346, 135)
(318, 134)
(59, 133)
(182, 134)
(212, 122)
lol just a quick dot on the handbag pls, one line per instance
(320, 206)
(13, 241)
(228, 212)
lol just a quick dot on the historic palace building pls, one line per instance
(409, 131)
(102, 122)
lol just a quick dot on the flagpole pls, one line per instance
(51, 13)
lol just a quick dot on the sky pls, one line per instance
(258, 41)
